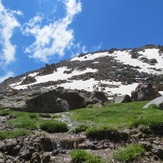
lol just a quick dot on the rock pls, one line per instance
(152, 61)
(46, 144)
(48, 69)
(35, 158)
(1, 157)
(42, 101)
(46, 158)
(74, 99)
(157, 101)
(159, 87)
(158, 152)
(144, 92)
(2, 146)
(10, 147)
(28, 80)
(144, 59)
(122, 99)
(100, 96)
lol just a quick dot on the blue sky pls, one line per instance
(36, 32)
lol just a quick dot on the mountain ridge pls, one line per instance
(114, 71)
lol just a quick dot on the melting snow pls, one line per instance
(89, 85)
(55, 76)
(125, 57)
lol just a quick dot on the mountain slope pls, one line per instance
(114, 71)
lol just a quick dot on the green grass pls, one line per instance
(131, 152)
(119, 116)
(13, 133)
(79, 128)
(24, 120)
(53, 126)
(82, 156)
(28, 121)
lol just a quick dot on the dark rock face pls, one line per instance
(144, 92)
(28, 80)
(74, 99)
(122, 99)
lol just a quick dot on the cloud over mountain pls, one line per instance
(53, 38)
(51, 35)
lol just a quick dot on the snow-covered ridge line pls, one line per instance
(125, 57)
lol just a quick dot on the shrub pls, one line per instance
(53, 126)
(79, 156)
(129, 153)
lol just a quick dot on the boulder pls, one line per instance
(42, 101)
(152, 61)
(144, 92)
(157, 101)
(122, 99)
(74, 99)
(99, 96)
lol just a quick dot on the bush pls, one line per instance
(129, 153)
(79, 156)
(53, 126)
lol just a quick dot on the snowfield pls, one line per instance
(112, 88)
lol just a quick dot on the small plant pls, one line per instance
(79, 128)
(34, 116)
(154, 106)
(53, 126)
(24, 121)
(79, 156)
(57, 116)
(129, 153)
(13, 133)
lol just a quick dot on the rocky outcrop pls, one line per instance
(144, 92)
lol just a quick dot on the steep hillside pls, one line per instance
(114, 71)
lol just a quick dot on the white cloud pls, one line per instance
(98, 47)
(8, 23)
(8, 74)
(55, 37)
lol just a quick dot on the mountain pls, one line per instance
(113, 71)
